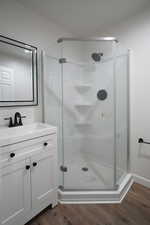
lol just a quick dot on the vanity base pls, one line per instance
(31, 214)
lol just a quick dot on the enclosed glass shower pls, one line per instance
(86, 97)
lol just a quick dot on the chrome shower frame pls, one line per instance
(87, 39)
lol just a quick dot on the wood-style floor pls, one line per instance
(134, 210)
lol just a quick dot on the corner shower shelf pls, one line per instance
(83, 87)
(83, 123)
(83, 107)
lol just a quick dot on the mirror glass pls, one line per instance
(18, 73)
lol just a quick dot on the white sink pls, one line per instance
(26, 132)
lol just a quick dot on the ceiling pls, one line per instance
(86, 17)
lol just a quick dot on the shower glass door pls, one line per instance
(88, 115)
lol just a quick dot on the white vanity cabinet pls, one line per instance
(15, 193)
(28, 178)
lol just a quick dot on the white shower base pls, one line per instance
(81, 197)
(99, 176)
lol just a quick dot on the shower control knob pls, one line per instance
(45, 143)
(102, 94)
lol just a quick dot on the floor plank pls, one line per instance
(134, 210)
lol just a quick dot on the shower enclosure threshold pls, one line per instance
(87, 197)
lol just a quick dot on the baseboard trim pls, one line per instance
(141, 180)
(103, 197)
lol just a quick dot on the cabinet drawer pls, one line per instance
(19, 151)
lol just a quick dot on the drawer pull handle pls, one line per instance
(45, 143)
(27, 167)
(12, 155)
(34, 164)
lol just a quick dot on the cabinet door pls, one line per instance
(43, 178)
(14, 193)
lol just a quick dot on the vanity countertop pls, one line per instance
(22, 133)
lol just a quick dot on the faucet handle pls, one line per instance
(10, 121)
(7, 118)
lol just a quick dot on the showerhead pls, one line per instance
(96, 56)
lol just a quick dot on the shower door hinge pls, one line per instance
(62, 60)
(61, 187)
(63, 168)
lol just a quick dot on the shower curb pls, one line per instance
(96, 197)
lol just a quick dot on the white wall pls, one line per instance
(22, 24)
(134, 33)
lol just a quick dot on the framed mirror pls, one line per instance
(18, 73)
